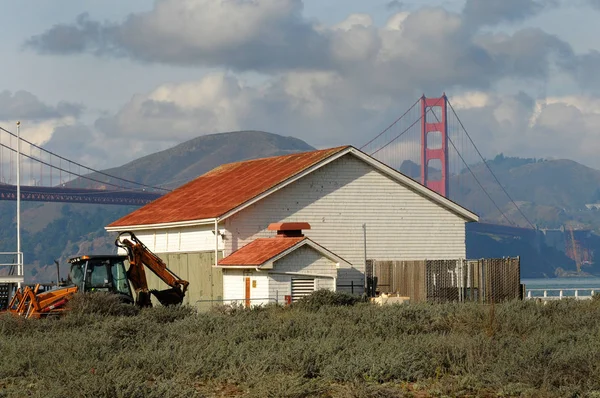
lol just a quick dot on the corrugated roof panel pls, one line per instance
(224, 188)
(260, 251)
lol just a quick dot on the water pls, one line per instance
(562, 283)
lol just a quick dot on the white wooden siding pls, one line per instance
(234, 287)
(337, 200)
(306, 260)
(259, 295)
(279, 287)
(180, 240)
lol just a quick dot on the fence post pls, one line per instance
(352, 286)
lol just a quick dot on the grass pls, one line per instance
(102, 349)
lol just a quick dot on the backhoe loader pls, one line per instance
(105, 273)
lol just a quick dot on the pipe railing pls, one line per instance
(561, 293)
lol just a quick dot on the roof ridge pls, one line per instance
(335, 148)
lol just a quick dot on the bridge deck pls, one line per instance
(78, 195)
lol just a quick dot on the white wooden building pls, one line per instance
(358, 207)
(280, 269)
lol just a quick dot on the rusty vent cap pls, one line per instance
(289, 229)
(288, 226)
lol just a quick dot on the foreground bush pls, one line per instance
(99, 303)
(323, 298)
(419, 350)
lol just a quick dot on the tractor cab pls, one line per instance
(101, 273)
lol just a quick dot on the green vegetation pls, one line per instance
(104, 349)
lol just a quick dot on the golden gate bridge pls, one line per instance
(53, 178)
(428, 142)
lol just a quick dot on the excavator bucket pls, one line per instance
(172, 296)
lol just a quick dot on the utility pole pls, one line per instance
(19, 254)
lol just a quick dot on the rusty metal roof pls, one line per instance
(260, 251)
(224, 188)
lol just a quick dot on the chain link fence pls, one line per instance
(490, 280)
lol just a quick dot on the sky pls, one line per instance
(106, 82)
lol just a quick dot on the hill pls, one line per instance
(58, 231)
(173, 167)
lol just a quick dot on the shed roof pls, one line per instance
(231, 187)
(224, 188)
(262, 252)
(259, 251)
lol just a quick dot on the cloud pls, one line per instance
(527, 53)
(273, 35)
(82, 36)
(245, 35)
(586, 72)
(595, 3)
(494, 12)
(337, 84)
(24, 105)
(395, 5)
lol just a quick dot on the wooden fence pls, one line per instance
(485, 280)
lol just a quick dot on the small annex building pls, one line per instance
(279, 269)
(357, 207)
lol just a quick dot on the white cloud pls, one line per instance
(343, 83)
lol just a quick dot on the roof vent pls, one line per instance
(289, 229)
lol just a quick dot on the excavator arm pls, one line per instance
(139, 256)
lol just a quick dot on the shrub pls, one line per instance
(338, 350)
(168, 314)
(322, 298)
(99, 303)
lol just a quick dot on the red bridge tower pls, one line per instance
(434, 123)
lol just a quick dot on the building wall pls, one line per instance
(178, 240)
(337, 200)
(234, 287)
(275, 284)
(304, 260)
(206, 281)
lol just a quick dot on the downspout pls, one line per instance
(216, 241)
(365, 253)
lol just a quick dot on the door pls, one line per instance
(247, 304)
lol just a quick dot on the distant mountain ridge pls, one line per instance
(174, 166)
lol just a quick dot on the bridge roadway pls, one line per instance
(78, 195)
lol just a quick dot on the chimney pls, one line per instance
(289, 229)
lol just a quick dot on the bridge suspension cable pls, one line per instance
(403, 131)
(471, 171)
(392, 125)
(77, 164)
(489, 168)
